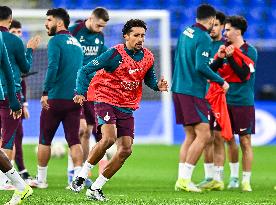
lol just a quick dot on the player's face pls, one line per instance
(230, 33)
(97, 25)
(135, 39)
(216, 30)
(16, 31)
(51, 25)
(211, 24)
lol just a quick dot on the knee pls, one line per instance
(245, 144)
(124, 153)
(107, 141)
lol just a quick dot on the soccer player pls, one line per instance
(116, 90)
(90, 36)
(189, 88)
(214, 152)
(240, 96)
(21, 62)
(22, 189)
(64, 60)
(16, 29)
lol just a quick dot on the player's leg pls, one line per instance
(22, 191)
(125, 131)
(243, 118)
(107, 123)
(9, 126)
(233, 155)
(49, 122)
(192, 112)
(71, 129)
(219, 158)
(19, 153)
(247, 158)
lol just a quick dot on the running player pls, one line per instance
(116, 91)
(189, 88)
(90, 36)
(214, 152)
(64, 60)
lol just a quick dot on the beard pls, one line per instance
(52, 31)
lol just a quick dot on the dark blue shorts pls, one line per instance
(242, 119)
(190, 110)
(61, 111)
(108, 114)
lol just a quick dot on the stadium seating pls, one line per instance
(261, 14)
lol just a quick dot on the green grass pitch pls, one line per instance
(148, 177)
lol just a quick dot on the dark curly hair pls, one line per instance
(133, 23)
(61, 14)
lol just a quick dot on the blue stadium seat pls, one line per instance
(63, 4)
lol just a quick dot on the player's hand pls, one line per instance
(16, 114)
(229, 50)
(162, 84)
(34, 42)
(44, 102)
(221, 51)
(79, 99)
(225, 86)
(26, 112)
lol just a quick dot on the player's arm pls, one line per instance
(241, 71)
(85, 74)
(53, 63)
(7, 70)
(23, 60)
(151, 80)
(202, 59)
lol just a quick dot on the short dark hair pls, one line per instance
(60, 13)
(15, 24)
(221, 17)
(133, 23)
(101, 13)
(205, 11)
(5, 12)
(238, 22)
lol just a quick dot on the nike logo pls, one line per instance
(23, 197)
(243, 129)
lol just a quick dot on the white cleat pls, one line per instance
(37, 184)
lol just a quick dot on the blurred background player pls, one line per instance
(240, 96)
(214, 152)
(189, 88)
(123, 67)
(22, 189)
(16, 29)
(21, 63)
(90, 36)
(65, 58)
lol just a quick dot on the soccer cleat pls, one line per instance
(234, 183)
(27, 177)
(186, 185)
(77, 185)
(7, 186)
(37, 184)
(18, 197)
(214, 185)
(96, 194)
(202, 184)
(246, 187)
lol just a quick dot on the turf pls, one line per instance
(148, 177)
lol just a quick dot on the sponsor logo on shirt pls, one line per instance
(131, 71)
(73, 41)
(189, 32)
(90, 50)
